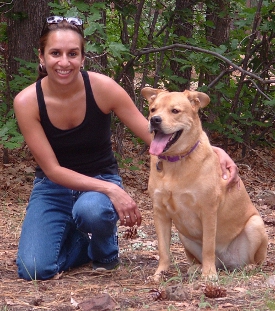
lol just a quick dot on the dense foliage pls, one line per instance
(142, 43)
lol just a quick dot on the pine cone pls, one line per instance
(130, 233)
(213, 291)
(158, 294)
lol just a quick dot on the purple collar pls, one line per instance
(178, 157)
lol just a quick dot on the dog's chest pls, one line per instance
(180, 206)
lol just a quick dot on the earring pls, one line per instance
(41, 67)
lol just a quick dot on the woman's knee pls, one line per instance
(95, 214)
(32, 268)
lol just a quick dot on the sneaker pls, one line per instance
(103, 267)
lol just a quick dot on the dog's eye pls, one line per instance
(153, 110)
(175, 111)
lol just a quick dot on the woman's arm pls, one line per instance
(110, 96)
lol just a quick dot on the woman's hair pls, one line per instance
(47, 29)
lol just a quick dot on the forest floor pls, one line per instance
(128, 288)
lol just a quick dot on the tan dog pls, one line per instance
(219, 227)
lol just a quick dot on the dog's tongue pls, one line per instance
(158, 144)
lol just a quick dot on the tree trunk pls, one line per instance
(24, 19)
(218, 13)
(183, 28)
(25, 22)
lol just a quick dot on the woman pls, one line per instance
(77, 196)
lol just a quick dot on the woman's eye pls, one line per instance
(55, 53)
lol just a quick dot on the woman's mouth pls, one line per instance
(63, 72)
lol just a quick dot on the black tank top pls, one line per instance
(87, 148)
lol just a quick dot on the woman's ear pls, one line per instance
(41, 58)
(82, 62)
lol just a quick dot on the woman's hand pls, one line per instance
(125, 206)
(227, 164)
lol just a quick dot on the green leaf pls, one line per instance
(118, 50)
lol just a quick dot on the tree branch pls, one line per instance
(197, 49)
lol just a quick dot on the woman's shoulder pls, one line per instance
(25, 103)
(106, 91)
(100, 79)
(26, 96)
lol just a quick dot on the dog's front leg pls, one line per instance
(163, 226)
(209, 246)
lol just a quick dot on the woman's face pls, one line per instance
(62, 55)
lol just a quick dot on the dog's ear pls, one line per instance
(199, 99)
(150, 94)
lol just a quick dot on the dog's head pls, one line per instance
(174, 119)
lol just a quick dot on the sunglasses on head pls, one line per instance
(57, 19)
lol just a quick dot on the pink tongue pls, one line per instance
(159, 143)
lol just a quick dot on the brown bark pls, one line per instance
(183, 28)
(218, 13)
(24, 22)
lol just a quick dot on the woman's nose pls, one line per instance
(64, 61)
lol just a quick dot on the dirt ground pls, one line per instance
(128, 288)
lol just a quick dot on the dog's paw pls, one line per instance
(206, 274)
(210, 275)
(157, 277)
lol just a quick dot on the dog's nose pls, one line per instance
(156, 120)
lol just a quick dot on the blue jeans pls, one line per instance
(64, 228)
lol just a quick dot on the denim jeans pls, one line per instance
(64, 228)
